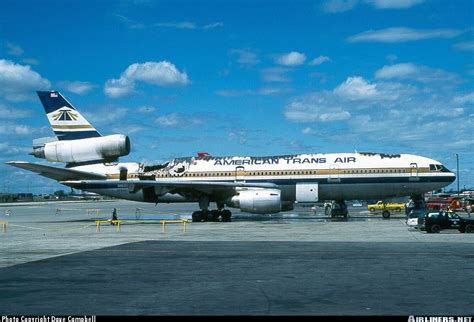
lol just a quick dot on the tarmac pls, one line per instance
(53, 261)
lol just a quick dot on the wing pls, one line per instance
(173, 186)
(59, 174)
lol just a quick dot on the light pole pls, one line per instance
(457, 170)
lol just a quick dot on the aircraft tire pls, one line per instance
(197, 216)
(226, 215)
(214, 215)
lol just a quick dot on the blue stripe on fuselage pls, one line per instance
(325, 181)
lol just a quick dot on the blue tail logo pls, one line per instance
(66, 121)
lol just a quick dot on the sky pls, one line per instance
(242, 78)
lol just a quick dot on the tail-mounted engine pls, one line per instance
(105, 148)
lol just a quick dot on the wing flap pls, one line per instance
(59, 174)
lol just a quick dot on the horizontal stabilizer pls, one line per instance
(59, 174)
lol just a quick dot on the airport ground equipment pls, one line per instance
(386, 207)
(114, 222)
(171, 221)
(4, 226)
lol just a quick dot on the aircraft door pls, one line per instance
(307, 192)
(123, 173)
(334, 173)
(240, 174)
(414, 172)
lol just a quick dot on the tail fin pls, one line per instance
(66, 121)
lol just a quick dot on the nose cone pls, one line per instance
(452, 177)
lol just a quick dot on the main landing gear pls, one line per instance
(212, 215)
(205, 214)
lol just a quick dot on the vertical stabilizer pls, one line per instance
(66, 121)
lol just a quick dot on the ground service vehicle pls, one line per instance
(338, 209)
(415, 217)
(437, 203)
(385, 207)
(434, 222)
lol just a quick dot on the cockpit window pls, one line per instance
(443, 168)
(438, 168)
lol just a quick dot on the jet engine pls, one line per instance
(107, 148)
(257, 201)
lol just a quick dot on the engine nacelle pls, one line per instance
(107, 148)
(257, 201)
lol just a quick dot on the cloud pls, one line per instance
(77, 87)
(417, 73)
(213, 25)
(30, 61)
(466, 46)
(19, 82)
(319, 60)
(121, 87)
(275, 74)
(178, 120)
(354, 95)
(293, 58)
(187, 25)
(383, 113)
(357, 88)
(147, 109)
(16, 130)
(107, 115)
(264, 91)
(177, 25)
(403, 34)
(161, 73)
(394, 4)
(316, 107)
(245, 57)
(337, 6)
(14, 50)
(464, 99)
(13, 113)
(11, 150)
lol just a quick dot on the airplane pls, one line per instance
(260, 185)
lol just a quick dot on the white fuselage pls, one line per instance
(302, 178)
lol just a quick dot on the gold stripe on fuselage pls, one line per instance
(280, 173)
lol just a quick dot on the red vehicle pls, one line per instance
(437, 203)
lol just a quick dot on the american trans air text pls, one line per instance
(274, 160)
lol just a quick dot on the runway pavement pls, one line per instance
(297, 263)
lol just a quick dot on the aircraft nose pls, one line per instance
(452, 177)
